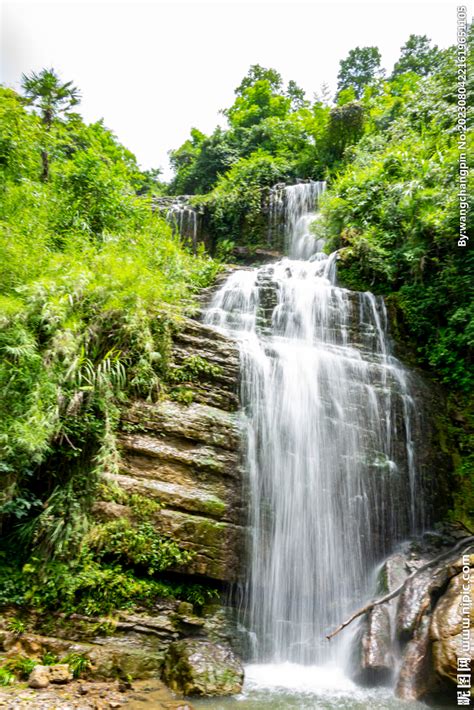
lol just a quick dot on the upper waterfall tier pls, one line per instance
(292, 210)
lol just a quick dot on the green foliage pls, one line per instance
(143, 508)
(135, 545)
(16, 626)
(182, 394)
(49, 659)
(78, 664)
(197, 594)
(85, 586)
(235, 203)
(20, 666)
(360, 68)
(417, 56)
(91, 281)
(192, 368)
(345, 127)
(275, 134)
(6, 676)
(46, 92)
(392, 213)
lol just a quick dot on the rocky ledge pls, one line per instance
(186, 455)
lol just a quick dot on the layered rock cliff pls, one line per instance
(186, 456)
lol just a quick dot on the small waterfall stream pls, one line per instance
(184, 220)
(329, 417)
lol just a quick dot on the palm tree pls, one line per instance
(52, 98)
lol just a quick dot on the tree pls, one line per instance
(359, 69)
(259, 73)
(345, 127)
(297, 96)
(52, 98)
(417, 56)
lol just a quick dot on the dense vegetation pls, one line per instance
(91, 280)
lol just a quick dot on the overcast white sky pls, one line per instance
(154, 69)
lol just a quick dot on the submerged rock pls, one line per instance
(196, 667)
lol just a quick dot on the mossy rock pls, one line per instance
(197, 667)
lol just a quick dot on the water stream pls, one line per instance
(184, 220)
(332, 470)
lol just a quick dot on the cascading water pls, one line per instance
(329, 420)
(185, 220)
(291, 215)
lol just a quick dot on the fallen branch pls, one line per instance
(368, 607)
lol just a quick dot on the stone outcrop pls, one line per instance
(132, 644)
(375, 662)
(446, 629)
(421, 630)
(187, 456)
(196, 667)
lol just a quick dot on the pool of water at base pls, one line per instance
(289, 686)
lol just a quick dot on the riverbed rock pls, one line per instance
(39, 677)
(374, 655)
(60, 673)
(196, 667)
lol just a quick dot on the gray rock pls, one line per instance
(60, 673)
(39, 677)
(196, 667)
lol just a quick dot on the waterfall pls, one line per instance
(290, 217)
(329, 419)
(184, 220)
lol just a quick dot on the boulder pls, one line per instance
(414, 678)
(375, 661)
(39, 677)
(374, 653)
(60, 673)
(446, 629)
(197, 667)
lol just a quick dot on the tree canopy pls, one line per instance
(360, 68)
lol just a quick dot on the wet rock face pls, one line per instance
(374, 652)
(375, 664)
(187, 457)
(415, 676)
(446, 630)
(420, 630)
(196, 667)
